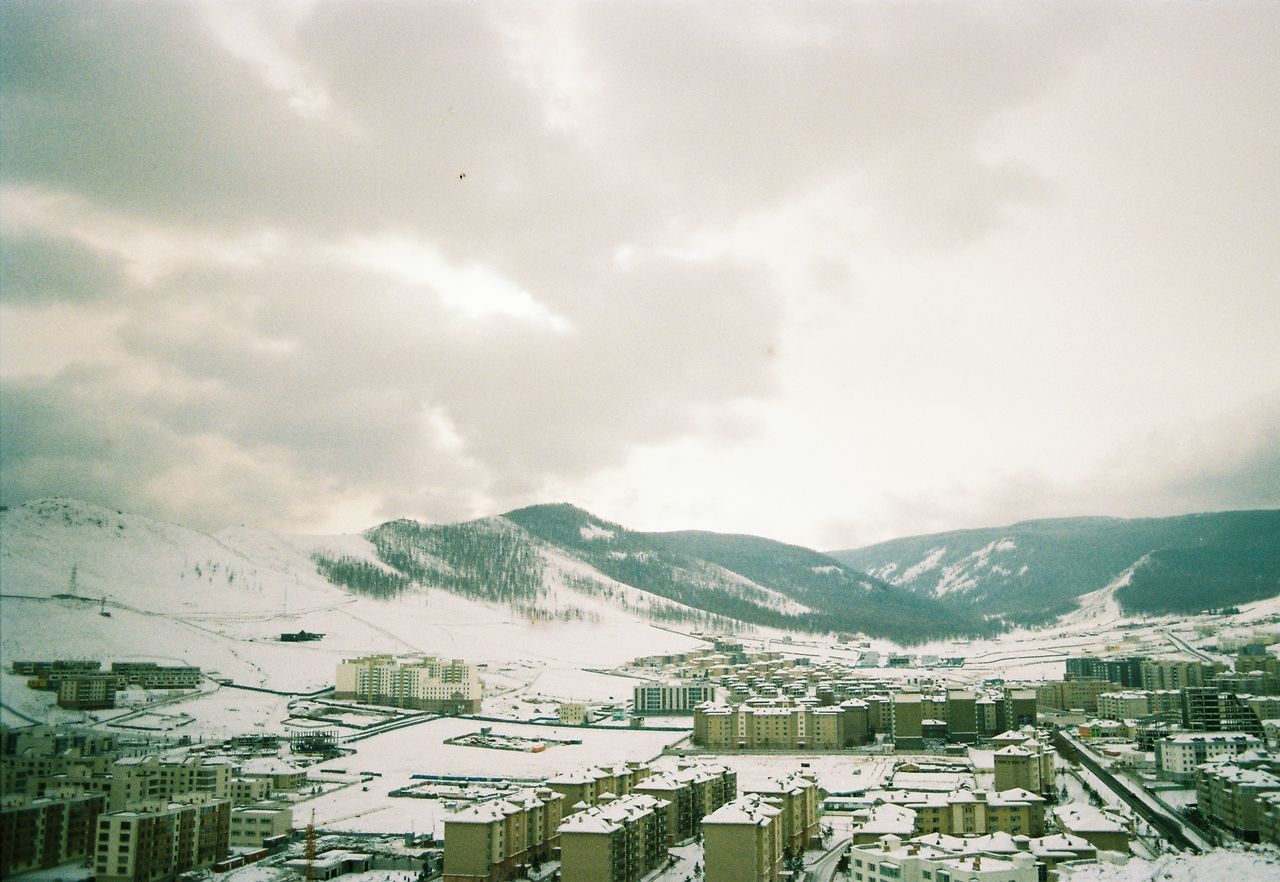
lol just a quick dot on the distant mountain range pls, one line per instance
(560, 562)
(1033, 571)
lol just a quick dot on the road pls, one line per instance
(1170, 826)
(823, 868)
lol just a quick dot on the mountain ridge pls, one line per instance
(554, 561)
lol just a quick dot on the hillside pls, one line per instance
(749, 578)
(1036, 570)
(221, 601)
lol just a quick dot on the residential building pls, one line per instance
(800, 799)
(1103, 829)
(622, 839)
(1178, 756)
(498, 839)
(147, 845)
(152, 779)
(1229, 792)
(743, 841)
(671, 698)
(908, 716)
(1141, 704)
(1075, 694)
(252, 825)
(965, 812)
(891, 859)
(39, 833)
(1174, 673)
(1025, 764)
(584, 788)
(690, 792)
(422, 683)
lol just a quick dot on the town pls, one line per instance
(745, 760)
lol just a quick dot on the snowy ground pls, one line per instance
(1257, 865)
(394, 757)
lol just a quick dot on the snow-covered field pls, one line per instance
(1257, 865)
(394, 757)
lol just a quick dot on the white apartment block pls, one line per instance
(679, 698)
(420, 682)
(1178, 755)
(892, 860)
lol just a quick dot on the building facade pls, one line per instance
(422, 683)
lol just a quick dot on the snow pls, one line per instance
(1255, 865)
(929, 562)
(394, 757)
(591, 532)
(1101, 606)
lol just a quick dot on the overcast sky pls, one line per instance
(826, 272)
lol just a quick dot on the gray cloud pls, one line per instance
(207, 187)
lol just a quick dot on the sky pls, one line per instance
(825, 272)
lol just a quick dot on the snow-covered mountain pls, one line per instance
(1033, 571)
(221, 601)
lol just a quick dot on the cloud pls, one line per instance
(265, 37)
(746, 266)
(473, 291)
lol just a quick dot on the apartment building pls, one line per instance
(149, 845)
(787, 724)
(421, 683)
(95, 690)
(1269, 818)
(1174, 673)
(584, 788)
(1178, 756)
(32, 757)
(39, 833)
(1229, 791)
(965, 812)
(1082, 695)
(152, 779)
(622, 839)
(1103, 829)
(1124, 672)
(149, 675)
(891, 859)
(1024, 764)
(800, 799)
(671, 698)
(743, 841)
(252, 825)
(908, 717)
(1137, 704)
(691, 792)
(496, 840)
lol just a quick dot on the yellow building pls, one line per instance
(968, 813)
(142, 846)
(800, 799)
(493, 841)
(252, 824)
(690, 792)
(41, 833)
(622, 839)
(743, 841)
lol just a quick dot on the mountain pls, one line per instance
(1034, 571)
(703, 580)
(178, 595)
(558, 570)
